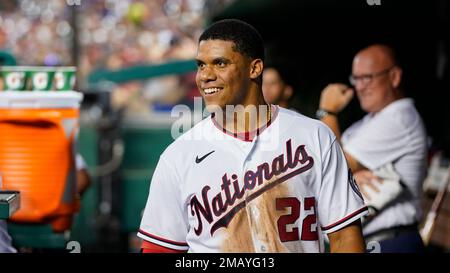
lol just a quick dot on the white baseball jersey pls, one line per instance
(274, 190)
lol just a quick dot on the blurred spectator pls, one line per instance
(277, 87)
(386, 149)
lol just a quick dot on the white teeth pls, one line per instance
(211, 90)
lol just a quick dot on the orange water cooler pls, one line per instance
(38, 132)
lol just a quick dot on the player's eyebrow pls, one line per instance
(214, 61)
(221, 60)
(199, 62)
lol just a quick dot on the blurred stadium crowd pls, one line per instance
(110, 34)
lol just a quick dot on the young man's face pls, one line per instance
(223, 75)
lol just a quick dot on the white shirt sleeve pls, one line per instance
(164, 220)
(340, 202)
(79, 162)
(378, 141)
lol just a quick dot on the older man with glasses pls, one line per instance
(386, 150)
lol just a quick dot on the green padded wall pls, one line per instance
(143, 146)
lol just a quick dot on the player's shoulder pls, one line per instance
(188, 142)
(297, 121)
(294, 116)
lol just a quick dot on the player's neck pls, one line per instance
(248, 117)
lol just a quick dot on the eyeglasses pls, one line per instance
(367, 78)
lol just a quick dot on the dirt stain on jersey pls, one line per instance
(254, 228)
(238, 235)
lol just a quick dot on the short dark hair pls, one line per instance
(246, 38)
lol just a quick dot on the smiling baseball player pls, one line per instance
(266, 181)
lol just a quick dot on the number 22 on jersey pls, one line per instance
(307, 234)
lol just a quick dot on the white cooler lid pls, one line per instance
(40, 99)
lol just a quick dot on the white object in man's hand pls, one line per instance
(380, 186)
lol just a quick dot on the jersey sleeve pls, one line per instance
(380, 142)
(164, 220)
(340, 201)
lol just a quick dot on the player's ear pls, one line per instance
(396, 76)
(256, 68)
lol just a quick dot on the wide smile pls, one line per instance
(211, 91)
